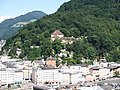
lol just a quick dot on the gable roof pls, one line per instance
(57, 32)
(50, 58)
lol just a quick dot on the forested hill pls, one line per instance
(9, 27)
(96, 21)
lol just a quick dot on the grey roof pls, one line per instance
(94, 68)
(47, 67)
(40, 88)
(106, 87)
(39, 61)
(110, 81)
(2, 69)
(113, 67)
(91, 88)
(82, 65)
(97, 88)
(110, 84)
(8, 65)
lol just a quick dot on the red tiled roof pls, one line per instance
(57, 32)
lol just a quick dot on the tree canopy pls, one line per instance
(98, 21)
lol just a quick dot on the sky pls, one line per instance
(13, 8)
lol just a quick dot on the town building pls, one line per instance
(100, 73)
(59, 35)
(37, 63)
(55, 76)
(5, 58)
(50, 62)
(64, 53)
(18, 51)
(7, 76)
(13, 71)
(41, 76)
(18, 77)
(27, 72)
(71, 75)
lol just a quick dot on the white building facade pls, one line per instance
(18, 77)
(63, 76)
(7, 76)
(46, 76)
(10, 76)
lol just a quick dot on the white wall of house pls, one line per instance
(18, 77)
(62, 76)
(75, 78)
(65, 78)
(101, 73)
(42, 76)
(60, 36)
(27, 73)
(6, 76)
(104, 73)
(84, 70)
(71, 74)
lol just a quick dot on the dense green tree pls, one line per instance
(69, 61)
(22, 54)
(102, 43)
(46, 48)
(68, 47)
(12, 53)
(84, 50)
(77, 57)
(114, 56)
(57, 46)
(96, 23)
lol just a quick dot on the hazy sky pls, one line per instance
(13, 8)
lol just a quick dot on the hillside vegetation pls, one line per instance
(96, 22)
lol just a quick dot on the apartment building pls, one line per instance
(10, 76)
(63, 76)
(7, 76)
(100, 72)
(46, 76)
(57, 34)
(18, 77)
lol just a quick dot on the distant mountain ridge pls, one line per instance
(7, 28)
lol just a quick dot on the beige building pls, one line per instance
(100, 73)
(41, 76)
(55, 76)
(27, 72)
(59, 35)
(89, 78)
(50, 62)
(18, 77)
